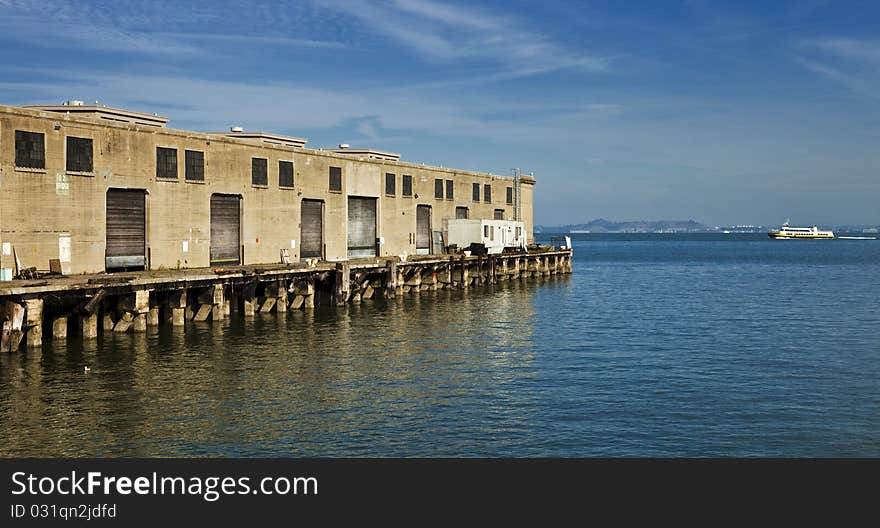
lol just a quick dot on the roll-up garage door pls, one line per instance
(126, 229)
(225, 229)
(423, 229)
(311, 229)
(361, 227)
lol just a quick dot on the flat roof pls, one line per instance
(368, 153)
(265, 137)
(106, 113)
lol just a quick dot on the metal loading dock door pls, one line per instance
(126, 229)
(311, 229)
(361, 227)
(225, 229)
(423, 229)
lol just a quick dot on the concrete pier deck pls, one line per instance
(83, 305)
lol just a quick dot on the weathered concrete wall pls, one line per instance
(42, 208)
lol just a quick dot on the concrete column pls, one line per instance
(464, 273)
(311, 293)
(281, 303)
(343, 283)
(153, 316)
(59, 327)
(178, 316)
(177, 303)
(89, 326)
(391, 279)
(218, 306)
(107, 321)
(34, 322)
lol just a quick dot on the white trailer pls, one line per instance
(494, 234)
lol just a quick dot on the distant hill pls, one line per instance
(602, 225)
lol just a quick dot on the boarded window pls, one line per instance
(79, 154)
(30, 150)
(259, 171)
(336, 179)
(285, 174)
(195, 165)
(166, 163)
(461, 213)
(510, 196)
(390, 184)
(449, 189)
(499, 214)
(438, 189)
(407, 185)
(476, 192)
(487, 193)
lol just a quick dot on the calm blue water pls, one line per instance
(656, 345)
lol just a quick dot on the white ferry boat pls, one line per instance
(787, 232)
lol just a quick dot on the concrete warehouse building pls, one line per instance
(102, 189)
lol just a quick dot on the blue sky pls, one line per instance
(724, 112)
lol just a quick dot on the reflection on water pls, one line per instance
(420, 375)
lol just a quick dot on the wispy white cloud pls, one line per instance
(453, 32)
(847, 48)
(852, 63)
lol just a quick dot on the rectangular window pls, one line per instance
(487, 193)
(336, 179)
(194, 165)
(461, 212)
(510, 196)
(30, 150)
(476, 192)
(285, 174)
(485, 231)
(390, 184)
(518, 232)
(166, 163)
(407, 185)
(449, 189)
(79, 154)
(438, 189)
(499, 214)
(259, 171)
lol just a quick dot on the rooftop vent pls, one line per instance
(236, 129)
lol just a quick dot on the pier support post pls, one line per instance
(153, 311)
(343, 283)
(309, 301)
(391, 279)
(464, 273)
(177, 303)
(12, 326)
(281, 303)
(59, 327)
(34, 322)
(88, 325)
